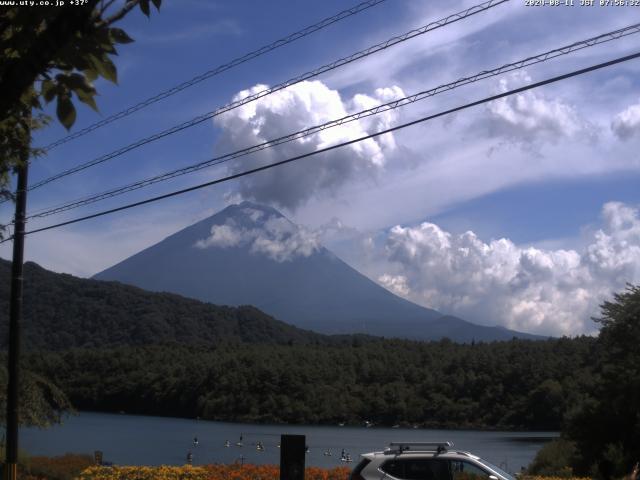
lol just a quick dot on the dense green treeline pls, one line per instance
(516, 384)
(62, 311)
(600, 437)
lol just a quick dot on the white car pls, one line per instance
(425, 461)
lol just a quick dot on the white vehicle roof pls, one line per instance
(442, 450)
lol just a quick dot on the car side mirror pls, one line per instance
(493, 477)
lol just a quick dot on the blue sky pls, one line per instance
(546, 181)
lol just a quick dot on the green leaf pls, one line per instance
(110, 70)
(105, 67)
(48, 90)
(144, 6)
(30, 99)
(157, 3)
(87, 98)
(91, 74)
(119, 36)
(103, 40)
(77, 82)
(65, 111)
(82, 88)
(35, 102)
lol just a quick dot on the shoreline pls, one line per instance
(424, 426)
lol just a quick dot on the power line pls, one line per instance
(606, 37)
(343, 144)
(219, 69)
(250, 98)
(281, 86)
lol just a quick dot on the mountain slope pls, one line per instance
(251, 254)
(62, 311)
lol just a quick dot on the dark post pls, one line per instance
(15, 316)
(292, 449)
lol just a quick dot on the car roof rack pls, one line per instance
(467, 454)
(399, 447)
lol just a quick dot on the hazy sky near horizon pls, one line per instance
(523, 212)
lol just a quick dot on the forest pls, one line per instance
(517, 384)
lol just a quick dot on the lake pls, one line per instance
(142, 440)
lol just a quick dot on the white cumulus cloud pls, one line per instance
(276, 237)
(530, 115)
(524, 288)
(298, 107)
(626, 124)
(282, 241)
(396, 283)
(221, 236)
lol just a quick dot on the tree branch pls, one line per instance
(130, 5)
(105, 6)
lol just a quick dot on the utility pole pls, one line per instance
(15, 318)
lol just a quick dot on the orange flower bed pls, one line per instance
(163, 472)
(537, 477)
(208, 472)
(224, 472)
(271, 472)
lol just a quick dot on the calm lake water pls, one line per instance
(140, 440)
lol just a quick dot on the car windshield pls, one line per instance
(498, 470)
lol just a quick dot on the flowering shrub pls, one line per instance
(163, 472)
(337, 473)
(209, 472)
(539, 477)
(243, 472)
(227, 472)
(271, 472)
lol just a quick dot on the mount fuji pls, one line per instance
(251, 254)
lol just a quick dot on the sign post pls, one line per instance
(292, 450)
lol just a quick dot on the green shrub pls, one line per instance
(65, 467)
(554, 459)
(23, 457)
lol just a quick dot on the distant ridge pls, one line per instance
(250, 254)
(62, 311)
